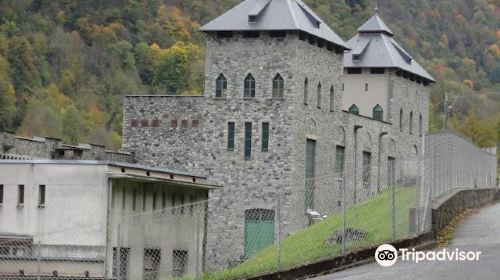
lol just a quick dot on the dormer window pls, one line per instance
(220, 86)
(354, 109)
(249, 87)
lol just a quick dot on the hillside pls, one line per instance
(65, 64)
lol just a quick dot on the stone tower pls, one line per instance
(272, 85)
(384, 81)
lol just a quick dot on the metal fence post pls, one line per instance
(277, 218)
(118, 254)
(198, 246)
(393, 194)
(343, 216)
(38, 257)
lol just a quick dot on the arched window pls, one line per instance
(420, 125)
(354, 109)
(278, 85)
(220, 86)
(378, 113)
(401, 119)
(306, 91)
(411, 122)
(332, 99)
(249, 88)
(319, 96)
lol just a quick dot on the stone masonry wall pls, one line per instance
(190, 133)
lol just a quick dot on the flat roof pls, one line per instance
(111, 163)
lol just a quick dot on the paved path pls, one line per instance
(479, 232)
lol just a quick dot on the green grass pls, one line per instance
(373, 216)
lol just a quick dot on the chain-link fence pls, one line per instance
(380, 203)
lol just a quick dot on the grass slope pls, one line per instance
(373, 216)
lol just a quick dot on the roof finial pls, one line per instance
(376, 7)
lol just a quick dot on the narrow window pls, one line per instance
(339, 161)
(20, 195)
(220, 86)
(1, 194)
(265, 137)
(144, 123)
(278, 87)
(366, 87)
(41, 195)
(179, 263)
(164, 200)
(310, 174)
(306, 91)
(155, 194)
(124, 198)
(354, 109)
(378, 113)
(367, 158)
(411, 122)
(248, 141)
(152, 260)
(191, 205)
(173, 124)
(332, 99)
(420, 125)
(184, 123)
(318, 98)
(173, 202)
(134, 199)
(230, 136)
(183, 201)
(249, 88)
(354, 70)
(377, 70)
(401, 119)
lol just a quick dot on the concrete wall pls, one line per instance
(164, 228)
(448, 205)
(78, 189)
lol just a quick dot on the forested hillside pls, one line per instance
(64, 64)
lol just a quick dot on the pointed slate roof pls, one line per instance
(274, 15)
(375, 47)
(375, 25)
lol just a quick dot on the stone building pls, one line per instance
(272, 121)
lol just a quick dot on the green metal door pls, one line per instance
(259, 230)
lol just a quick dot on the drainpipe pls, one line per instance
(356, 128)
(380, 136)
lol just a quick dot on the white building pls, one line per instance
(61, 217)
